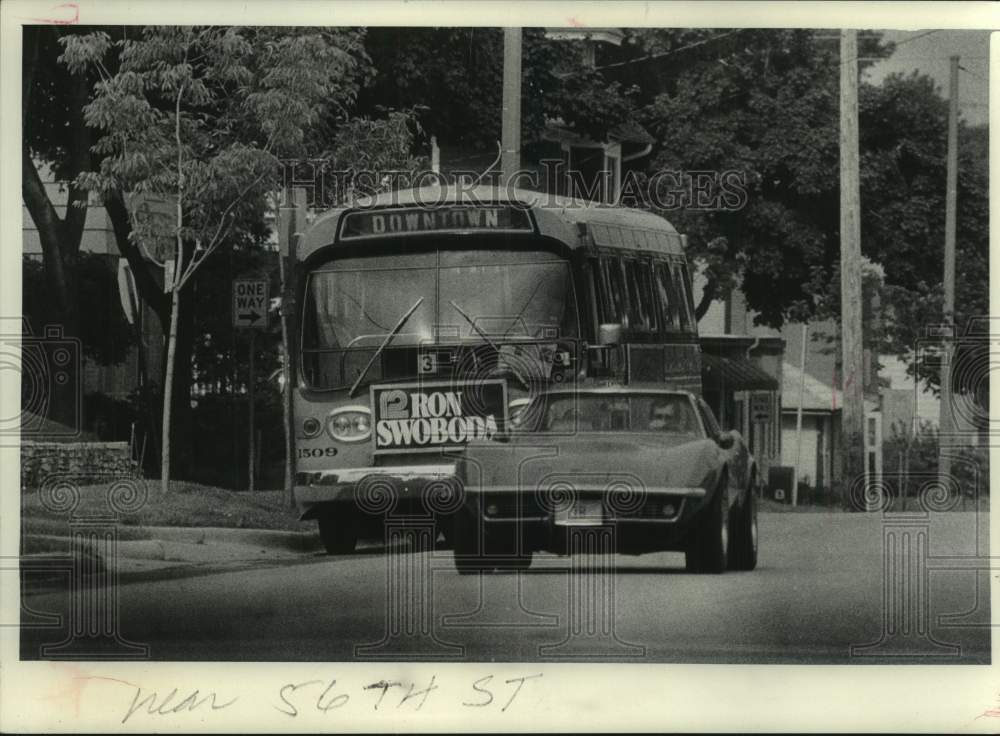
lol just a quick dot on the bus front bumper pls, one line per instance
(422, 489)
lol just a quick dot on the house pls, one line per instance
(742, 375)
(814, 452)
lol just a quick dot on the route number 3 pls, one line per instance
(428, 363)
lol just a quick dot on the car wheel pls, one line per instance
(707, 549)
(507, 557)
(497, 551)
(744, 549)
(337, 531)
(465, 544)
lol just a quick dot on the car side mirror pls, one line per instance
(725, 440)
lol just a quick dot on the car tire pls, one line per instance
(465, 543)
(497, 552)
(337, 531)
(707, 550)
(509, 559)
(745, 538)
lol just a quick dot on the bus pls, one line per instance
(427, 316)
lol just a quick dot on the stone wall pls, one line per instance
(85, 461)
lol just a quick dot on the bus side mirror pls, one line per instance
(609, 334)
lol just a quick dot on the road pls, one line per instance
(818, 591)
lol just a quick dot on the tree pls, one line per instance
(54, 133)
(452, 78)
(105, 335)
(765, 107)
(764, 103)
(202, 115)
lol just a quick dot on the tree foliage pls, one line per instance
(453, 78)
(769, 107)
(202, 117)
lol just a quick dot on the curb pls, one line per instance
(190, 543)
(266, 538)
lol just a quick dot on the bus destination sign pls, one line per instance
(421, 220)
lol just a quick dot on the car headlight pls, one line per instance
(350, 424)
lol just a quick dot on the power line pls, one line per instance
(672, 51)
(974, 74)
(897, 44)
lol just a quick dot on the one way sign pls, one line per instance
(250, 304)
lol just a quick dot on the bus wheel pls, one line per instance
(336, 530)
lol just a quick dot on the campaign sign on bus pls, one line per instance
(432, 416)
(421, 220)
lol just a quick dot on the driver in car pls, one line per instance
(668, 416)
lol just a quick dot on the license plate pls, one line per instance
(581, 513)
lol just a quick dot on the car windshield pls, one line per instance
(669, 414)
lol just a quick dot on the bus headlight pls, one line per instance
(350, 424)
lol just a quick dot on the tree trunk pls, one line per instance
(149, 288)
(181, 412)
(168, 383)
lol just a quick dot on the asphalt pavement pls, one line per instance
(829, 588)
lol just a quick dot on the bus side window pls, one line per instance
(600, 306)
(667, 298)
(649, 295)
(641, 301)
(689, 296)
(611, 268)
(683, 296)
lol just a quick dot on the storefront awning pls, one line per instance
(733, 374)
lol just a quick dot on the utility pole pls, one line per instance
(510, 156)
(798, 414)
(292, 220)
(252, 402)
(945, 425)
(852, 373)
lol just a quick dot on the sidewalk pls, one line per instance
(178, 548)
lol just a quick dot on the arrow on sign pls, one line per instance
(252, 316)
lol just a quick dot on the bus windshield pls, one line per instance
(469, 296)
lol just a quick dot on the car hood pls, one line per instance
(592, 461)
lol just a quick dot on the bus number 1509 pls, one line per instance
(307, 452)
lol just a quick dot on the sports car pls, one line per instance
(649, 466)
